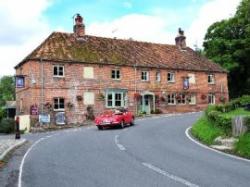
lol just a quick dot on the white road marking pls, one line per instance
(165, 173)
(120, 146)
(211, 149)
(22, 163)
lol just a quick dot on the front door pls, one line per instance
(146, 105)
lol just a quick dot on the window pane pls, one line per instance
(55, 70)
(113, 74)
(118, 74)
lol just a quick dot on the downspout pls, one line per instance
(42, 86)
(136, 104)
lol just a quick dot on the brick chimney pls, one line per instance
(180, 39)
(79, 27)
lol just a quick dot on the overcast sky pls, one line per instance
(26, 23)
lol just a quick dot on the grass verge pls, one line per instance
(205, 131)
(242, 147)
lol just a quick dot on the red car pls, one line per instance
(117, 118)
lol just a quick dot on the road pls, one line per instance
(154, 152)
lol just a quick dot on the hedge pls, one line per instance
(7, 125)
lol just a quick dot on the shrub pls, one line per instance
(209, 109)
(245, 99)
(242, 147)
(7, 125)
(205, 131)
(213, 115)
(157, 111)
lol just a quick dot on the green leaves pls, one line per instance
(228, 43)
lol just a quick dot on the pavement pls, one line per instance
(8, 143)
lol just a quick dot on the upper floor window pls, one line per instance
(211, 79)
(115, 74)
(58, 71)
(58, 103)
(88, 72)
(171, 77)
(158, 76)
(211, 98)
(145, 76)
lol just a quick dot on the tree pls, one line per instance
(7, 91)
(228, 43)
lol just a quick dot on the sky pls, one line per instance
(26, 23)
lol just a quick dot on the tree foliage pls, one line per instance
(7, 92)
(228, 43)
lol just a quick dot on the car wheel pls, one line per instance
(132, 121)
(100, 127)
(122, 124)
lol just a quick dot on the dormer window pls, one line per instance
(58, 71)
(211, 79)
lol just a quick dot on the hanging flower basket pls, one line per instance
(70, 105)
(162, 99)
(48, 105)
(203, 96)
(101, 96)
(222, 99)
(79, 98)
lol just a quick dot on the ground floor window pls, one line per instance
(211, 98)
(192, 100)
(181, 99)
(58, 103)
(115, 99)
(171, 99)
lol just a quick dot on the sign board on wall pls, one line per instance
(34, 110)
(44, 118)
(20, 82)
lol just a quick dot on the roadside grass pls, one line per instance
(242, 147)
(205, 131)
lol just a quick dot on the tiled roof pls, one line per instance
(91, 49)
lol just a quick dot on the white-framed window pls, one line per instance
(211, 98)
(181, 99)
(211, 79)
(116, 74)
(171, 99)
(88, 72)
(158, 76)
(192, 100)
(58, 71)
(89, 98)
(59, 103)
(145, 76)
(171, 77)
(115, 99)
(191, 78)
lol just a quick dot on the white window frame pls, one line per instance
(211, 99)
(183, 98)
(171, 99)
(158, 76)
(58, 66)
(169, 77)
(57, 100)
(145, 74)
(113, 99)
(115, 73)
(192, 99)
(211, 79)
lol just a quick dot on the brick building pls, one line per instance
(70, 71)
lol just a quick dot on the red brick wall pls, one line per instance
(74, 84)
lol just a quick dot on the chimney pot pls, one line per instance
(79, 27)
(180, 40)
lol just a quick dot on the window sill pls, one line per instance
(211, 83)
(171, 82)
(59, 110)
(55, 76)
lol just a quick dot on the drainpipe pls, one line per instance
(136, 104)
(42, 85)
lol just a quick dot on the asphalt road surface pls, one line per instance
(153, 153)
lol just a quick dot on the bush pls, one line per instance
(157, 111)
(205, 131)
(245, 99)
(7, 125)
(242, 147)
(209, 109)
